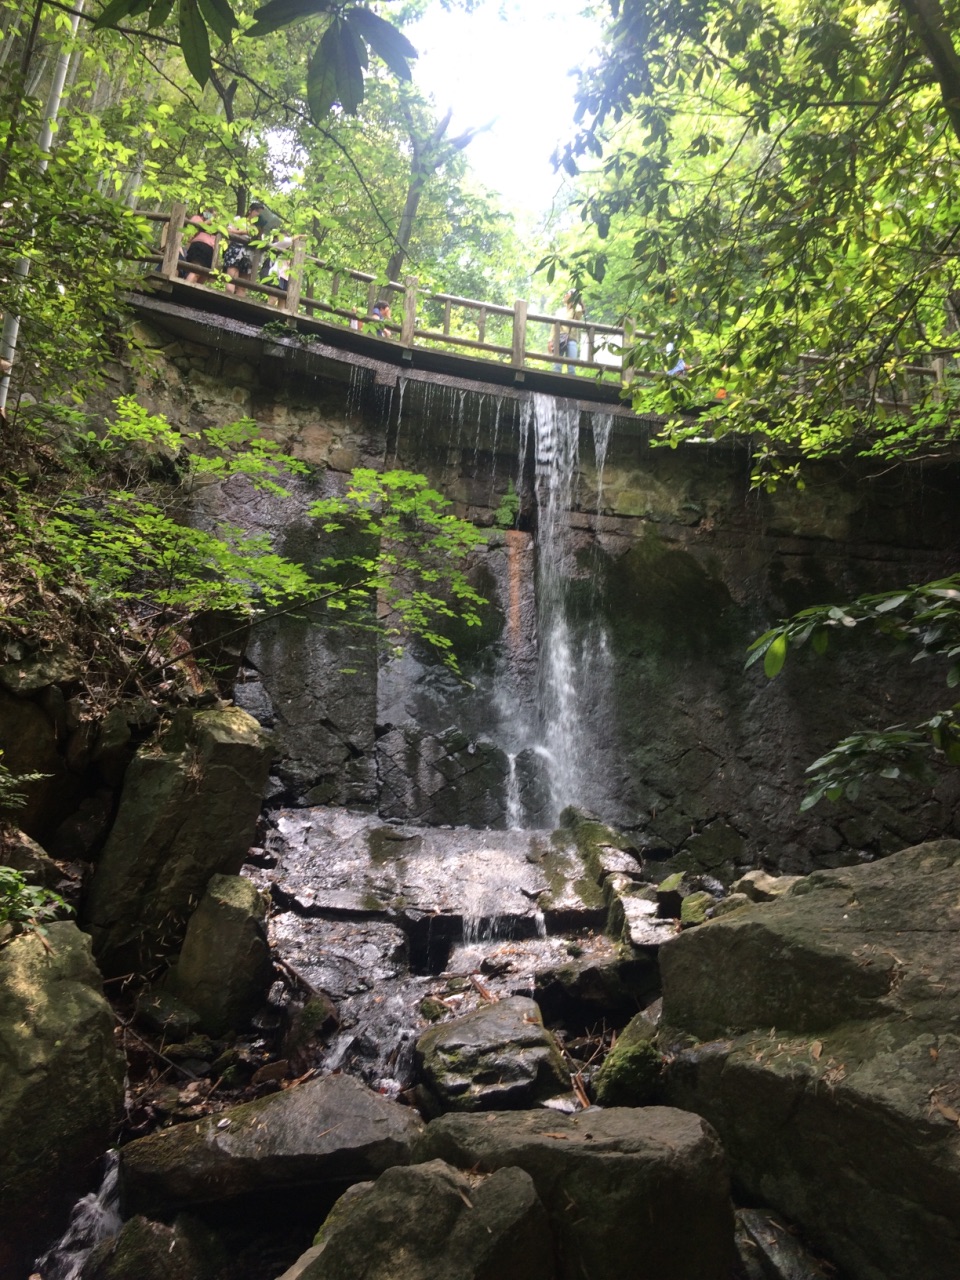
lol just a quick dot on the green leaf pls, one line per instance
(194, 41)
(279, 13)
(820, 640)
(160, 11)
(349, 69)
(775, 656)
(113, 13)
(891, 602)
(384, 39)
(220, 18)
(322, 74)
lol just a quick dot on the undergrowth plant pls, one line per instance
(923, 620)
(26, 908)
(106, 533)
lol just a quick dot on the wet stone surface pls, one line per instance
(468, 883)
(406, 927)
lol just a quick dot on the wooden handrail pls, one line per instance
(515, 321)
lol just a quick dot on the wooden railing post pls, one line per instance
(295, 282)
(409, 322)
(171, 248)
(626, 335)
(371, 296)
(939, 371)
(519, 333)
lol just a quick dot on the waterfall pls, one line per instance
(602, 426)
(574, 668)
(556, 428)
(514, 804)
(93, 1218)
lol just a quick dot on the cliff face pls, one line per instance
(663, 567)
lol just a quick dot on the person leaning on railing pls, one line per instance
(568, 343)
(201, 247)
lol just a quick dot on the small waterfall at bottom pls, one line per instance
(95, 1217)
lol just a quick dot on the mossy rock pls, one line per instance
(694, 908)
(631, 1074)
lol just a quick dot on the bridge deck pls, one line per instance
(306, 344)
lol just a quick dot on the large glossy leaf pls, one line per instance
(160, 11)
(194, 40)
(220, 18)
(384, 39)
(279, 13)
(349, 70)
(322, 74)
(114, 13)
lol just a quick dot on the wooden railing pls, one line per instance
(513, 335)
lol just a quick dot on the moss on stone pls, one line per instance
(630, 1076)
(694, 908)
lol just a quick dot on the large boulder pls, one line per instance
(145, 1250)
(631, 1191)
(500, 1055)
(328, 1132)
(188, 811)
(432, 1222)
(61, 1085)
(224, 970)
(830, 1068)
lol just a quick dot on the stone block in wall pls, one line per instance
(188, 811)
(28, 740)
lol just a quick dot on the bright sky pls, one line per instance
(509, 59)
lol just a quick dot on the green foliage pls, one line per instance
(23, 907)
(115, 534)
(11, 797)
(922, 619)
(416, 546)
(776, 193)
(506, 513)
(335, 69)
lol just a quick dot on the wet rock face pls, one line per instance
(155, 1251)
(857, 971)
(61, 1084)
(453, 884)
(327, 1132)
(444, 778)
(433, 1221)
(405, 926)
(649, 1185)
(499, 1056)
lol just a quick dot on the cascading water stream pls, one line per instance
(573, 654)
(556, 428)
(95, 1217)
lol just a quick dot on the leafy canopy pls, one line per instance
(335, 69)
(785, 180)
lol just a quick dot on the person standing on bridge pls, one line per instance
(239, 257)
(568, 337)
(200, 249)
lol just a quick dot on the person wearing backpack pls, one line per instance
(238, 259)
